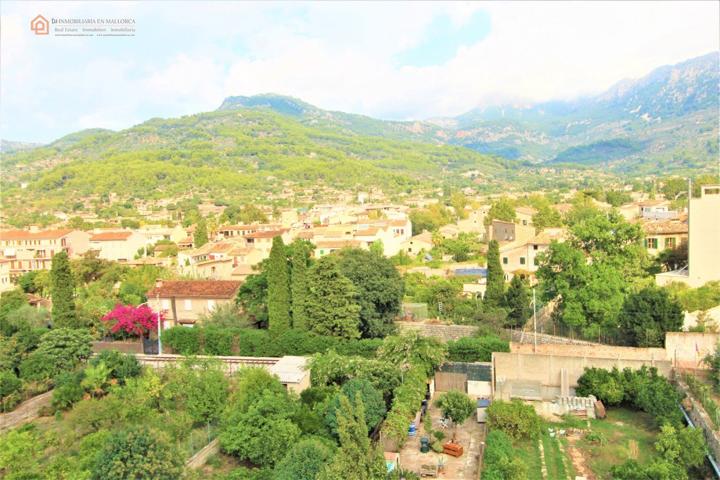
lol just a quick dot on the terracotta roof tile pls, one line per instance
(196, 288)
(110, 236)
(28, 235)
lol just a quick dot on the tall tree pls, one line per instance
(379, 287)
(298, 285)
(201, 234)
(62, 292)
(517, 302)
(647, 315)
(278, 278)
(332, 301)
(357, 458)
(495, 277)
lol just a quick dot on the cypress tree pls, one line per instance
(201, 235)
(517, 301)
(299, 285)
(332, 306)
(278, 278)
(495, 276)
(62, 292)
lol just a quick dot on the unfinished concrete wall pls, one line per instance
(687, 349)
(596, 351)
(544, 377)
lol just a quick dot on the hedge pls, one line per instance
(476, 349)
(258, 343)
(406, 402)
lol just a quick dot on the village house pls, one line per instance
(5, 280)
(263, 240)
(184, 302)
(30, 250)
(418, 243)
(664, 234)
(503, 231)
(118, 246)
(703, 240)
(523, 257)
(524, 215)
(326, 247)
(237, 231)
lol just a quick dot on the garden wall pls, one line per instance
(544, 377)
(201, 457)
(125, 347)
(687, 349)
(701, 420)
(596, 351)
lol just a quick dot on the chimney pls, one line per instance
(158, 283)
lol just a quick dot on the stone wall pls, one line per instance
(700, 418)
(594, 350)
(27, 411)
(528, 338)
(201, 457)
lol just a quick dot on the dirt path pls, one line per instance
(578, 460)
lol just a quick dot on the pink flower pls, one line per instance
(132, 320)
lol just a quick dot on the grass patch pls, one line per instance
(529, 452)
(555, 460)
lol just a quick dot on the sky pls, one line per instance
(397, 60)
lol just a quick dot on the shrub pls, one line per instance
(304, 460)
(68, 390)
(37, 366)
(514, 418)
(605, 385)
(122, 366)
(128, 320)
(183, 340)
(406, 402)
(218, 341)
(137, 453)
(476, 349)
(456, 405)
(65, 347)
(9, 384)
(371, 398)
(500, 461)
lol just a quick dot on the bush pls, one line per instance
(514, 418)
(218, 341)
(183, 340)
(137, 453)
(607, 386)
(304, 461)
(500, 461)
(476, 349)
(37, 366)
(456, 405)
(406, 402)
(122, 366)
(9, 384)
(68, 390)
(371, 398)
(66, 347)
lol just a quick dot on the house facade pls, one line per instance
(184, 302)
(117, 246)
(30, 250)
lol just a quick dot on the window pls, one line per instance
(188, 304)
(535, 247)
(505, 260)
(211, 305)
(522, 260)
(651, 243)
(524, 222)
(670, 242)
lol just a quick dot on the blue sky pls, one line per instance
(396, 60)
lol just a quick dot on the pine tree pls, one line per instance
(357, 458)
(517, 301)
(62, 291)
(278, 288)
(201, 234)
(299, 285)
(495, 276)
(332, 307)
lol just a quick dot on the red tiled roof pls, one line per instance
(28, 235)
(665, 227)
(265, 234)
(110, 236)
(196, 288)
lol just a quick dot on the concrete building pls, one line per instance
(118, 246)
(703, 241)
(33, 249)
(184, 301)
(418, 243)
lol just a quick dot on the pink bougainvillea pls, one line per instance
(132, 320)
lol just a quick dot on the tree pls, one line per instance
(201, 234)
(372, 400)
(545, 217)
(647, 315)
(502, 209)
(456, 405)
(62, 292)
(379, 287)
(515, 418)
(59, 349)
(517, 301)
(683, 445)
(304, 461)
(137, 453)
(300, 260)
(264, 432)
(495, 277)
(278, 278)
(128, 320)
(332, 301)
(357, 458)
(252, 298)
(201, 388)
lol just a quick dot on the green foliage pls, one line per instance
(406, 402)
(456, 405)
(371, 398)
(333, 369)
(137, 453)
(299, 287)
(378, 286)
(62, 291)
(494, 292)
(68, 390)
(18, 449)
(647, 315)
(198, 387)
(476, 349)
(9, 385)
(332, 301)
(96, 379)
(546, 217)
(515, 418)
(411, 349)
(251, 383)
(304, 461)
(606, 385)
(502, 209)
(122, 366)
(59, 350)
(517, 302)
(200, 236)
(9, 302)
(278, 278)
(263, 432)
(185, 341)
(692, 299)
(252, 298)
(430, 218)
(500, 461)
(357, 458)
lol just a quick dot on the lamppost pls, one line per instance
(160, 320)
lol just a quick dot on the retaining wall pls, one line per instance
(701, 420)
(201, 457)
(27, 411)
